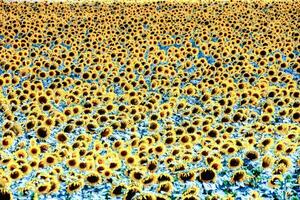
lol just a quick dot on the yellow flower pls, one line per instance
(75, 186)
(207, 175)
(239, 176)
(165, 187)
(235, 162)
(6, 194)
(267, 161)
(93, 178)
(273, 182)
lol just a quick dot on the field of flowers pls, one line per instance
(150, 100)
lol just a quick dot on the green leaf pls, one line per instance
(288, 177)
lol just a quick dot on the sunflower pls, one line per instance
(146, 196)
(118, 144)
(152, 165)
(54, 186)
(107, 173)
(267, 161)
(255, 194)
(280, 147)
(43, 132)
(207, 175)
(164, 177)
(274, 181)
(75, 186)
(61, 137)
(93, 179)
(252, 155)
(124, 152)
(5, 181)
(235, 163)
(187, 176)
(286, 161)
(131, 160)
(7, 142)
(190, 197)
(107, 132)
(43, 188)
(290, 149)
(279, 169)
(153, 125)
(50, 159)
(132, 192)
(165, 186)
(84, 165)
(118, 190)
(266, 118)
(115, 164)
(72, 162)
(232, 149)
(12, 165)
(266, 143)
(239, 176)
(216, 165)
(159, 149)
(5, 194)
(161, 197)
(16, 174)
(136, 175)
(149, 180)
(26, 169)
(193, 190)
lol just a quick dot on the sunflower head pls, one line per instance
(93, 179)
(207, 175)
(43, 188)
(194, 190)
(286, 161)
(274, 181)
(187, 176)
(75, 186)
(252, 155)
(239, 176)
(267, 161)
(235, 162)
(165, 187)
(118, 190)
(5, 194)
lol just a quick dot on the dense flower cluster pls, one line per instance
(150, 101)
